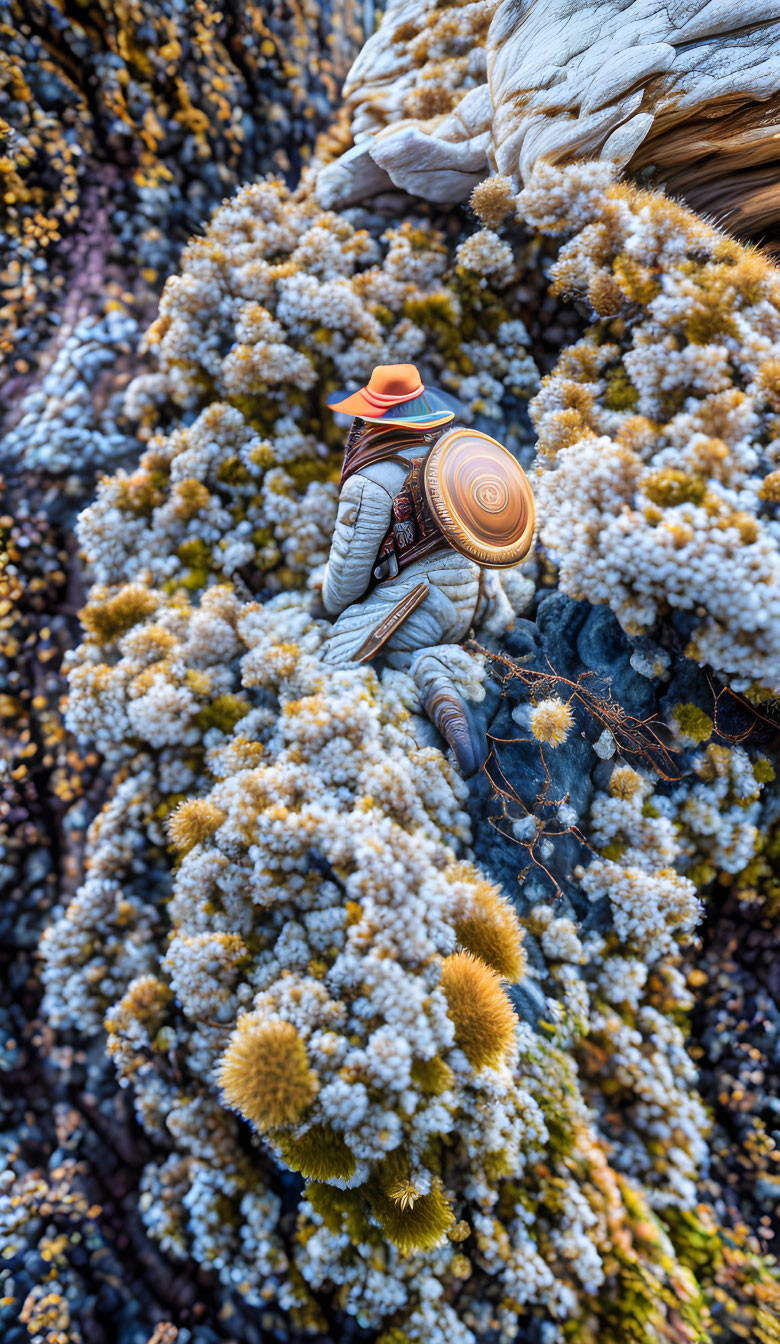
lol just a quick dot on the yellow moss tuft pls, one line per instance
(432, 1075)
(670, 486)
(139, 496)
(693, 723)
(551, 721)
(233, 471)
(620, 393)
(709, 322)
(196, 553)
(769, 382)
(480, 1009)
(320, 1154)
(576, 396)
(489, 928)
(189, 497)
(493, 199)
(770, 488)
(108, 618)
(265, 1073)
(193, 822)
(624, 782)
(559, 429)
(416, 1223)
(342, 1208)
(582, 362)
(639, 283)
(223, 713)
(262, 455)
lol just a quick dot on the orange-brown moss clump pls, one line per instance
(108, 618)
(551, 721)
(478, 1005)
(489, 928)
(265, 1073)
(193, 822)
(493, 199)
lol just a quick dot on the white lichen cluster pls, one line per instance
(153, 671)
(194, 511)
(632, 1051)
(652, 906)
(659, 441)
(282, 301)
(298, 967)
(322, 892)
(332, 861)
(106, 936)
(63, 426)
(717, 814)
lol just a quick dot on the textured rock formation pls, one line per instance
(121, 128)
(687, 94)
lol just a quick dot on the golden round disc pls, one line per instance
(481, 498)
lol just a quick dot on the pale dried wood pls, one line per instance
(686, 90)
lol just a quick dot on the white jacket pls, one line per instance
(364, 516)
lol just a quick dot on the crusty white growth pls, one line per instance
(654, 912)
(81, 979)
(315, 823)
(655, 439)
(652, 905)
(348, 949)
(717, 814)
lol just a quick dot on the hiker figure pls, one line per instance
(424, 507)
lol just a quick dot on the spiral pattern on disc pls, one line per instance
(481, 498)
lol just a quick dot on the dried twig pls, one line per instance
(649, 739)
(164, 1333)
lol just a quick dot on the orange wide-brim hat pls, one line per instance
(395, 395)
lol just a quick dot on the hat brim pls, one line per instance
(432, 407)
(411, 422)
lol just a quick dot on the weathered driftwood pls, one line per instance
(686, 90)
(420, 106)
